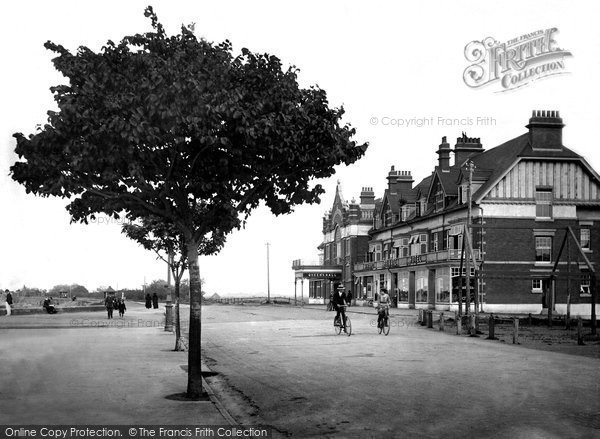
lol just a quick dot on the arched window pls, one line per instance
(338, 242)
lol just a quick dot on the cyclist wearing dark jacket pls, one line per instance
(338, 301)
(383, 308)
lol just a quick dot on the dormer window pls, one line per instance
(439, 198)
(407, 211)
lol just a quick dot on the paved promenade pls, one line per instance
(81, 368)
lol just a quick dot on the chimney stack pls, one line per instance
(466, 147)
(367, 196)
(444, 154)
(545, 130)
(399, 182)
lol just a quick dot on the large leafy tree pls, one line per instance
(179, 128)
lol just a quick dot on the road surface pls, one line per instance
(286, 368)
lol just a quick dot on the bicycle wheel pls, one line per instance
(348, 326)
(386, 325)
(337, 327)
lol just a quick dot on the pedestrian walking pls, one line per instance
(110, 306)
(349, 298)
(148, 301)
(155, 301)
(8, 302)
(122, 308)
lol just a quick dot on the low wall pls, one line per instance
(27, 311)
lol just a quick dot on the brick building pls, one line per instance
(345, 239)
(526, 194)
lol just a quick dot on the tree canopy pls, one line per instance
(184, 130)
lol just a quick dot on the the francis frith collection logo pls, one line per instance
(514, 63)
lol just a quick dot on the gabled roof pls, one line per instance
(391, 199)
(423, 187)
(499, 160)
(448, 178)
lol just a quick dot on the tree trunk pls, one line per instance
(194, 387)
(178, 344)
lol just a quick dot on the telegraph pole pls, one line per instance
(268, 276)
(471, 167)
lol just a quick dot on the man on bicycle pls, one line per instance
(383, 307)
(339, 305)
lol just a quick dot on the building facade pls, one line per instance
(533, 239)
(346, 229)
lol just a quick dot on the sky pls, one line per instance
(396, 67)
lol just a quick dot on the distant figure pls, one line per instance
(122, 308)
(349, 298)
(148, 301)
(48, 306)
(330, 304)
(110, 306)
(8, 303)
(155, 300)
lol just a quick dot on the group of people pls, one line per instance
(8, 301)
(152, 302)
(112, 303)
(339, 300)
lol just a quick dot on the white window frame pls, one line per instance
(537, 286)
(541, 201)
(543, 247)
(455, 270)
(584, 285)
(585, 242)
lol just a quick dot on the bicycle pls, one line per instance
(384, 325)
(338, 327)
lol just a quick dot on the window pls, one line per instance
(386, 251)
(421, 290)
(436, 245)
(584, 288)
(463, 194)
(543, 203)
(404, 248)
(585, 238)
(455, 271)
(403, 287)
(388, 219)
(423, 242)
(407, 211)
(536, 286)
(415, 247)
(439, 201)
(348, 247)
(442, 294)
(543, 248)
